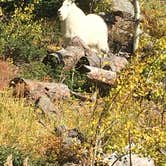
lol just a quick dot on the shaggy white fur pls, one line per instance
(90, 28)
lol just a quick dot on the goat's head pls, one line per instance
(65, 9)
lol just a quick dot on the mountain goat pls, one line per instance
(90, 28)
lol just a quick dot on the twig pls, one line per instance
(130, 148)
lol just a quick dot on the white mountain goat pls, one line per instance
(90, 28)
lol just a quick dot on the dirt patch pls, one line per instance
(7, 72)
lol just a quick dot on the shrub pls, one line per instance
(18, 157)
(50, 149)
(47, 8)
(35, 70)
(135, 110)
(154, 18)
(20, 37)
(95, 5)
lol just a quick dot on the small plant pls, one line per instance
(17, 156)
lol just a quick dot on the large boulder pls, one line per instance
(43, 94)
(121, 26)
(123, 6)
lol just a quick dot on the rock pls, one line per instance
(71, 142)
(101, 75)
(123, 6)
(124, 160)
(43, 94)
(120, 25)
(70, 56)
(69, 135)
(60, 130)
(71, 164)
(103, 69)
(117, 63)
(121, 34)
(75, 133)
(46, 105)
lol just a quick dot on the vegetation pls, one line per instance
(133, 112)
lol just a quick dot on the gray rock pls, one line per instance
(124, 160)
(116, 63)
(70, 164)
(46, 104)
(123, 6)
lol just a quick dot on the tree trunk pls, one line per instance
(137, 25)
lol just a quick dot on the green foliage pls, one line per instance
(20, 38)
(35, 70)
(103, 6)
(95, 5)
(76, 81)
(18, 158)
(47, 8)
(9, 6)
(16, 155)
(134, 111)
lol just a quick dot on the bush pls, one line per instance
(135, 110)
(154, 18)
(35, 70)
(20, 37)
(90, 6)
(18, 158)
(47, 8)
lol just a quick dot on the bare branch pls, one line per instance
(137, 25)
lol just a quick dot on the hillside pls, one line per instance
(70, 105)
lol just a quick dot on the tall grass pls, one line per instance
(19, 125)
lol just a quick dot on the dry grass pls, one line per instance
(75, 114)
(19, 126)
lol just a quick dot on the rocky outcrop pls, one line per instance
(125, 6)
(99, 68)
(121, 26)
(43, 94)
